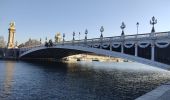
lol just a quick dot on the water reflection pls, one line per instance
(9, 70)
(79, 81)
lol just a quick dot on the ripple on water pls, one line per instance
(81, 81)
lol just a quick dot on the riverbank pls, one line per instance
(160, 93)
(92, 57)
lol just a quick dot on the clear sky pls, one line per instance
(40, 18)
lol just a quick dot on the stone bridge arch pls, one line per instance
(61, 51)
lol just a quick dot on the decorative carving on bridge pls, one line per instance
(162, 44)
(143, 44)
(96, 45)
(129, 45)
(116, 45)
(105, 45)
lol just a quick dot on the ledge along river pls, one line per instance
(21, 80)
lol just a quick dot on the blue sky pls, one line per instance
(40, 18)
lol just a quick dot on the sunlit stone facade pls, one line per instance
(11, 36)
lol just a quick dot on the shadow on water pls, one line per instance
(48, 65)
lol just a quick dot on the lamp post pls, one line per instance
(46, 44)
(63, 38)
(73, 35)
(136, 43)
(153, 21)
(79, 36)
(137, 26)
(73, 38)
(101, 36)
(101, 30)
(86, 32)
(123, 26)
(40, 40)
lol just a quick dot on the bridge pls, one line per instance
(9, 53)
(149, 48)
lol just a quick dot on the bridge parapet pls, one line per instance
(126, 38)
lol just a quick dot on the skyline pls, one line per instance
(40, 19)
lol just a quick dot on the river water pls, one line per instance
(77, 81)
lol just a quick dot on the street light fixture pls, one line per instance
(153, 21)
(63, 37)
(73, 35)
(101, 30)
(123, 26)
(86, 32)
(40, 40)
(137, 25)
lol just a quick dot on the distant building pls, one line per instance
(58, 38)
(21, 45)
(2, 42)
(31, 42)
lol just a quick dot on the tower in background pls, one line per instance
(11, 35)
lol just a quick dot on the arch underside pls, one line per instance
(56, 53)
(59, 52)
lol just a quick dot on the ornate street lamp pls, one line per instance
(153, 21)
(86, 32)
(123, 26)
(46, 44)
(63, 37)
(137, 25)
(73, 35)
(40, 40)
(101, 30)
